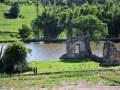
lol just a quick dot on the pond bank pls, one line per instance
(36, 40)
(56, 40)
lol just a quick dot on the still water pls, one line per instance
(53, 51)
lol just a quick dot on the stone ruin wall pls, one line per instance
(84, 47)
(111, 55)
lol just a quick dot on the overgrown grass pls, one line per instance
(67, 65)
(8, 36)
(12, 25)
(27, 13)
(46, 81)
(78, 70)
(113, 77)
(60, 66)
(49, 81)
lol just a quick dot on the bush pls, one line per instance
(14, 55)
(14, 11)
(1, 1)
(24, 32)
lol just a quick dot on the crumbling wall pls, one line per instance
(111, 55)
(84, 47)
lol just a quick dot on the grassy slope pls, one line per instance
(68, 65)
(12, 25)
(49, 81)
(54, 66)
(56, 79)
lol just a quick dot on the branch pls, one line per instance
(1, 52)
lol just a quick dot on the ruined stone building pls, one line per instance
(77, 47)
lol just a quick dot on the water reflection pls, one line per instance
(53, 51)
(97, 48)
(42, 51)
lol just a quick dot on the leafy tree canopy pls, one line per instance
(47, 22)
(25, 31)
(90, 25)
(14, 11)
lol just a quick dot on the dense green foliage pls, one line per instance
(2, 1)
(56, 16)
(14, 54)
(91, 26)
(104, 20)
(14, 11)
(48, 24)
(24, 32)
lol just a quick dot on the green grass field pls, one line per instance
(46, 81)
(78, 71)
(54, 66)
(67, 65)
(12, 25)
(8, 26)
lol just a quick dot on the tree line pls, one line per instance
(96, 18)
(99, 19)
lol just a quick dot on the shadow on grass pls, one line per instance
(75, 60)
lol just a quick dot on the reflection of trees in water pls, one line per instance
(55, 54)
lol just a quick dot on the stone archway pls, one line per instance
(77, 48)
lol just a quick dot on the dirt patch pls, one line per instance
(81, 85)
(84, 85)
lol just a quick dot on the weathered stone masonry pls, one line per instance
(83, 47)
(111, 55)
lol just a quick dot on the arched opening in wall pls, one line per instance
(77, 48)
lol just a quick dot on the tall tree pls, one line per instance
(48, 24)
(37, 10)
(91, 26)
(66, 16)
(109, 13)
(14, 11)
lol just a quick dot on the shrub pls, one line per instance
(14, 55)
(14, 11)
(1, 1)
(24, 32)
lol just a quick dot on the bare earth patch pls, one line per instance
(81, 85)
(78, 87)
(66, 85)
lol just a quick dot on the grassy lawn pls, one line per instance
(79, 70)
(12, 25)
(8, 26)
(67, 65)
(48, 81)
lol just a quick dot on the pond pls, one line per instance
(53, 51)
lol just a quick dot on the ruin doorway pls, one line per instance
(77, 48)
